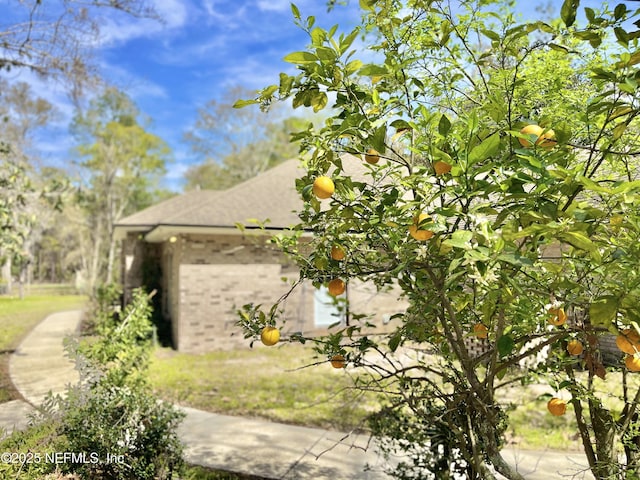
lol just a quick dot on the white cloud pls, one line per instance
(173, 12)
(230, 19)
(274, 5)
(117, 29)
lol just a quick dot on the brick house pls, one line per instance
(190, 249)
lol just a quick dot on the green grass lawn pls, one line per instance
(269, 383)
(264, 382)
(17, 318)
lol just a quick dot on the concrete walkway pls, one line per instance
(241, 445)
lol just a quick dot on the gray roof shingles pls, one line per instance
(270, 195)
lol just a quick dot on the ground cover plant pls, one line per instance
(499, 199)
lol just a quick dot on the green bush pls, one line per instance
(27, 450)
(112, 415)
(127, 433)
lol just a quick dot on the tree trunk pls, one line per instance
(606, 466)
(111, 258)
(6, 275)
(94, 263)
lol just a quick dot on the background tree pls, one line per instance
(55, 38)
(121, 163)
(236, 146)
(23, 193)
(526, 242)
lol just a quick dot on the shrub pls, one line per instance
(112, 415)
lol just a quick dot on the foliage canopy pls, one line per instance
(525, 234)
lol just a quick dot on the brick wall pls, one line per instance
(205, 279)
(213, 276)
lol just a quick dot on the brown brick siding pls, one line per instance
(205, 279)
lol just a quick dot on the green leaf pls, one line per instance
(346, 42)
(459, 239)
(578, 240)
(301, 58)
(286, 82)
(491, 35)
(589, 184)
(590, 14)
(568, 11)
(353, 66)
(620, 11)
(486, 149)
(515, 259)
(378, 137)
(326, 54)
(394, 341)
(317, 36)
(619, 130)
(505, 345)
(444, 125)
(559, 48)
(295, 11)
(621, 35)
(372, 70)
(319, 101)
(367, 5)
(244, 103)
(603, 310)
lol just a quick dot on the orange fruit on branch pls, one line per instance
(336, 287)
(558, 316)
(628, 341)
(372, 156)
(416, 232)
(323, 187)
(337, 252)
(338, 361)
(270, 336)
(574, 347)
(480, 330)
(632, 362)
(546, 139)
(441, 167)
(557, 406)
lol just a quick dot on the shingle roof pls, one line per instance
(160, 212)
(270, 195)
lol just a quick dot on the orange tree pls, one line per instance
(484, 225)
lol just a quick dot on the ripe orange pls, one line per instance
(336, 287)
(557, 407)
(441, 167)
(628, 341)
(372, 156)
(558, 316)
(545, 140)
(574, 347)
(338, 361)
(323, 187)
(270, 335)
(480, 330)
(632, 363)
(417, 233)
(337, 252)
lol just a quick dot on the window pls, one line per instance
(325, 310)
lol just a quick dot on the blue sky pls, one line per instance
(202, 48)
(170, 69)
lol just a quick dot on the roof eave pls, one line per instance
(163, 233)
